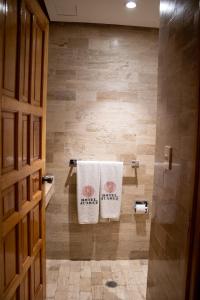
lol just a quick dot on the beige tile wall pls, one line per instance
(101, 105)
(177, 126)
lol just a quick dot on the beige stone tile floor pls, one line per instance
(86, 280)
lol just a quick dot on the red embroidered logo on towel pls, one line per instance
(110, 187)
(88, 191)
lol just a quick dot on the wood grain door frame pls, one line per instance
(1, 72)
(23, 119)
(193, 274)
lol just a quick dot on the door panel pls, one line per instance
(37, 273)
(25, 238)
(25, 137)
(36, 225)
(26, 29)
(10, 257)
(8, 201)
(36, 138)
(10, 47)
(25, 288)
(8, 141)
(23, 77)
(38, 64)
(36, 180)
(23, 191)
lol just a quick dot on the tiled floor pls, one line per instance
(86, 280)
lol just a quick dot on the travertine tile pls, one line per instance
(71, 285)
(52, 276)
(97, 292)
(106, 276)
(74, 278)
(65, 269)
(86, 272)
(85, 296)
(121, 292)
(106, 268)
(119, 277)
(96, 278)
(75, 266)
(109, 295)
(102, 94)
(66, 295)
(95, 266)
(51, 289)
(75, 288)
(85, 284)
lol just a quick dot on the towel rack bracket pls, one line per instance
(73, 163)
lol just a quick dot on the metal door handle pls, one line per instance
(47, 178)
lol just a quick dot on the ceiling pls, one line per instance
(105, 12)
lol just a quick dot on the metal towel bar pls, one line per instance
(132, 163)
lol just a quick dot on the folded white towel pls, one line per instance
(111, 189)
(88, 184)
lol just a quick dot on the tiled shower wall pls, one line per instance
(102, 94)
(177, 126)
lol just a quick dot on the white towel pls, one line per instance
(88, 185)
(111, 189)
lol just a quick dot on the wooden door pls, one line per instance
(23, 80)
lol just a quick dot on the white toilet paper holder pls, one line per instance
(142, 203)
